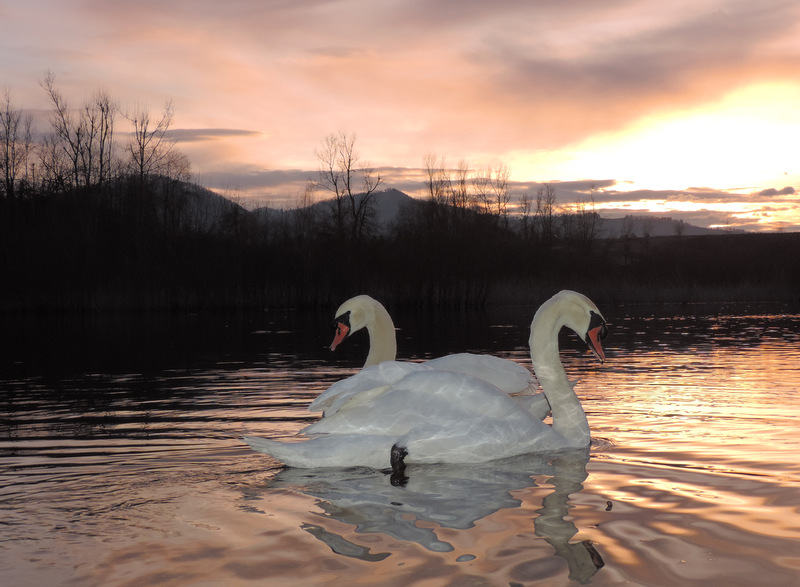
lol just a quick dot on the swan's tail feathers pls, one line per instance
(294, 454)
(329, 450)
(264, 445)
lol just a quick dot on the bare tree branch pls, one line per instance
(352, 182)
(16, 145)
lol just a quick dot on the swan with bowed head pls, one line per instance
(409, 413)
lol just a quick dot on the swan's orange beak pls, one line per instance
(597, 332)
(593, 338)
(342, 330)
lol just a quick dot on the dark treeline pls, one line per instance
(91, 222)
(179, 248)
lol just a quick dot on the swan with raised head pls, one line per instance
(365, 312)
(433, 416)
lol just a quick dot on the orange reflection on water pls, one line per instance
(698, 436)
(733, 402)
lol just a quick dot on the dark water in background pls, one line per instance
(120, 459)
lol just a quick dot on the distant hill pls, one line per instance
(387, 205)
(389, 202)
(203, 208)
(639, 226)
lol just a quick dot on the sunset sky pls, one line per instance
(685, 108)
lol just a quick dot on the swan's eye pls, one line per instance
(341, 326)
(342, 321)
(603, 332)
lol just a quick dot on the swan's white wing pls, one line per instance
(502, 373)
(438, 397)
(335, 450)
(507, 375)
(386, 373)
(440, 416)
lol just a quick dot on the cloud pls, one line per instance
(190, 135)
(609, 77)
(248, 179)
(604, 193)
(787, 191)
(544, 74)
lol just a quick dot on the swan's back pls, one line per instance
(507, 375)
(439, 416)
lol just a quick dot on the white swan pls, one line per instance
(432, 416)
(366, 312)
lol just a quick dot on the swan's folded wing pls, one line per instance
(386, 373)
(427, 399)
(346, 404)
(507, 375)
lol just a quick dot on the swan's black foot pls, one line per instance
(397, 455)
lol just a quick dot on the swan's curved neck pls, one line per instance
(382, 339)
(569, 419)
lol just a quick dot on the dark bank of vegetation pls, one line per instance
(87, 223)
(91, 250)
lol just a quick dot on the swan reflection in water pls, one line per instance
(452, 496)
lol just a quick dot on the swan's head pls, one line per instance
(595, 334)
(352, 316)
(581, 315)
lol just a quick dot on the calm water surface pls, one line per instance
(121, 464)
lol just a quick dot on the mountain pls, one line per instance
(387, 206)
(639, 226)
(389, 202)
(202, 208)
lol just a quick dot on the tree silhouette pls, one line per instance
(352, 183)
(80, 150)
(16, 147)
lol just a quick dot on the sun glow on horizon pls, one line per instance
(732, 214)
(716, 158)
(747, 141)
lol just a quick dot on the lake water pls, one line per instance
(121, 461)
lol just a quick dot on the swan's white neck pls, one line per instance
(382, 339)
(569, 419)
